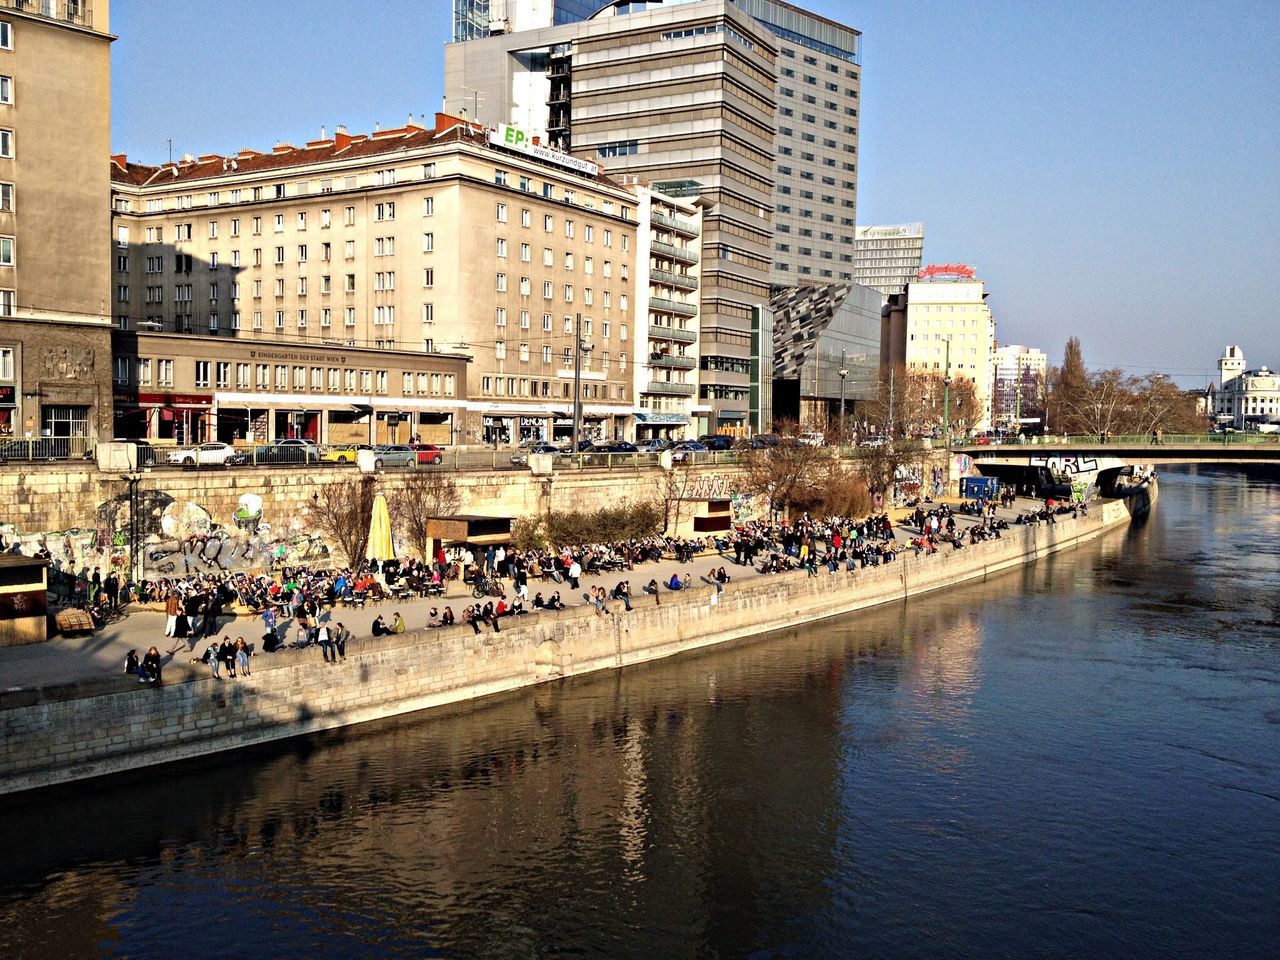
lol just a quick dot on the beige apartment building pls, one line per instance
(428, 244)
(55, 349)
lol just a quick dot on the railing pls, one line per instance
(687, 227)
(78, 12)
(660, 331)
(676, 253)
(663, 305)
(45, 448)
(670, 387)
(674, 362)
(1132, 440)
(681, 280)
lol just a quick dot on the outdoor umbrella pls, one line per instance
(380, 547)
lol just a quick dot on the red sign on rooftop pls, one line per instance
(933, 270)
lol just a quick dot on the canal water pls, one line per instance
(1080, 759)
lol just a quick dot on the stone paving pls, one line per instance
(71, 659)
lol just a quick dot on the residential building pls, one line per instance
(826, 349)
(751, 105)
(454, 240)
(887, 257)
(666, 367)
(55, 336)
(943, 324)
(1017, 385)
(1245, 399)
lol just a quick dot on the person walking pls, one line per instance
(171, 610)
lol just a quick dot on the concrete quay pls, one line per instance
(75, 731)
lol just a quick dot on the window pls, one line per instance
(548, 257)
(502, 213)
(546, 354)
(525, 218)
(349, 317)
(501, 283)
(182, 231)
(279, 319)
(6, 143)
(502, 247)
(326, 317)
(302, 221)
(500, 177)
(548, 223)
(202, 373)
(568, 293)
(6, 89)
(349, 250)
(548, 291)
(525, 252)
(6, 35)
(143, 368)
(164, 373)
(302, 253)
(501, 316)
(279, 255)
(349, 283)
(349, 216)
(428, 206)
(428, 313)
(279, 223)
(546, 323)
(223, 371)
(568, 229)
(500, 350)
(6, 252)
(213, 229)
(428, 242)
(384, 211)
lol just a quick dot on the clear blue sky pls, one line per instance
(1111, 169)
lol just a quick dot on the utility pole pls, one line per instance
(946, 398)
(579, 348)
(844, 373)
(889, 431)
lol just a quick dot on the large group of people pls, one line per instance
(303, 600)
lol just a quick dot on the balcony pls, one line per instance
(686, 227)
(683, 254)
(663, 305)
(671, 388)
(658, 331)
(679, 280)
(77, 12)
(672, 361)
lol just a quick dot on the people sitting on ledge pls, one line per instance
(676, 583)
(380, 628)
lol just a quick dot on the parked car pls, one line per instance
(344, 453)
(680, 449)
(394, 455)
(614, 446)
(871, 442)
(521, 455)
(811, 438)
(652, 445)
(206, 454)
(427, 452)
(716, 441)
(288, 450)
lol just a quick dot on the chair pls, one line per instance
(358, 598)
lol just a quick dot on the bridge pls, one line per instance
(1181, 448)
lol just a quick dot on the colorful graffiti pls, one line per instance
(175, 538)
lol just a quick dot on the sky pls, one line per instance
(1111, 170)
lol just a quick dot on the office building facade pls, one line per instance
(888, 257)
(55, 334)
(750, 106)
(1017, 385)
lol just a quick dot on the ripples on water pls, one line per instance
(1075, 760)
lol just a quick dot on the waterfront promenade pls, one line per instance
(64, 660)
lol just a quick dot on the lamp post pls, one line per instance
(579, 348)
(844, 373)
(946, 398)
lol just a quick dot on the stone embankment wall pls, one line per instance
(56, 736)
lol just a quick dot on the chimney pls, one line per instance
(120, 160)
(377, 125)
(188, 158)
(322, 133)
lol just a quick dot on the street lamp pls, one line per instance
(844, 373)
(579, 348)
(946, 398)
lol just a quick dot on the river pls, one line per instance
(1079, 759)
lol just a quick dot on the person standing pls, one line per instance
(171, 611)
(327, 649)
(340, 636)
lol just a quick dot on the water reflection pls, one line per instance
(1078, 758)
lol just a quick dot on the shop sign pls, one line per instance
(8, 395)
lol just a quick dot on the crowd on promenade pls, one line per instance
(298, 606)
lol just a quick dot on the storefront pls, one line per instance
(182, 418)
(660, 426)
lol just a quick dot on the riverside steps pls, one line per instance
(60, 734)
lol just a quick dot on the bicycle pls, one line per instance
(483, 587)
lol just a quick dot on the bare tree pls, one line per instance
(341, 513)
(424, 496)
(674, 488)
(790, 476)
(912, 402)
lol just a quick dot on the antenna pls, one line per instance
(170, 143)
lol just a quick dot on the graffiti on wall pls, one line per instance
(175, 538)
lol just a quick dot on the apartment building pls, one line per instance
(426, 243)
(680, 95)
(942, 324)
(667, 369)
(887, 257)
(1017, 384)
(55, 336)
